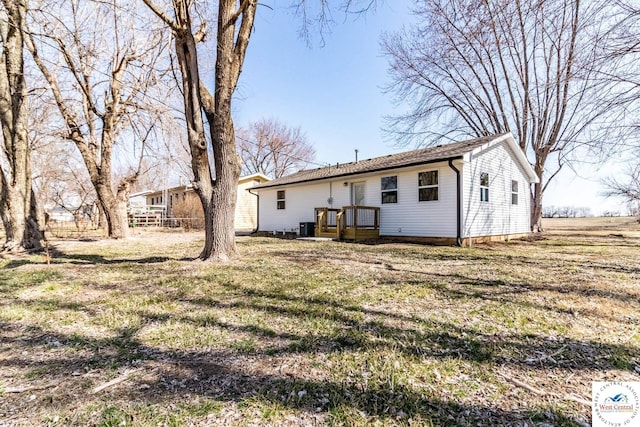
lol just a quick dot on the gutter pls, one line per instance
(257, 210)
(458, 204)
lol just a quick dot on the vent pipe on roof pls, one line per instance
(356, 155)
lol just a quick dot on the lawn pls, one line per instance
(136, 332)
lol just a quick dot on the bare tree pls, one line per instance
(624, 50)
(217, 187)
(583, 212)
(627, 189)
(100, 70)
(271, 148)
(17, 202)
(533, 68)
(218, 197)
(549, 211)
(60, 178)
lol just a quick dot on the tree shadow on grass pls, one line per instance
(368, 328)
(502, 290)
(91, 259)
(99, 259)
(234, 375)
(372, 258)
(164, 375)
(422, 338)
(430, 277)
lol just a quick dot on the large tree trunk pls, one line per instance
(220, 243)
(232, 41)
(115, 212)
(20, 220)
(536, 208)
(18, 214)
(538, 189)
(101, 220)
(33, 232)
(218, 196)
(122, 198)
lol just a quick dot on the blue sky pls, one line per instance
(335, 92)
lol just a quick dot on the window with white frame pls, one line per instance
(484, 187)
(514, 192)
(428, 186)
(280, 199)
(389, 188)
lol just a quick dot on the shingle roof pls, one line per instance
(392, 161)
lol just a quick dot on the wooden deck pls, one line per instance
(350, 222)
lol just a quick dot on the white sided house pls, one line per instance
(456, 193)
(182, 203)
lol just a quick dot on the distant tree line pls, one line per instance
(552, 211)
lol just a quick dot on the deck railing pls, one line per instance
(327, 222)
(350, 222)
(361, 217)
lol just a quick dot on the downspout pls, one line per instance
(458, 204)
(257, 210)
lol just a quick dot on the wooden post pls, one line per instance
(319, 220)
(355, 217)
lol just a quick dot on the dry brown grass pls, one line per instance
(598, 226)
(312, 333)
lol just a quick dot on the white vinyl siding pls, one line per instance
(407, 217)
(411, 217)
(497, 216)
(301, 199)
(246, 207)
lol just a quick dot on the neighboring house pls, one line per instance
(247, 204)
(59, 215)
(138, 202)
(182, 202)
(165, 200)
(452, 193)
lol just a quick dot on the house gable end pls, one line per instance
(516, 153)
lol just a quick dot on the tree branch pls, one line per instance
(162, 15)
